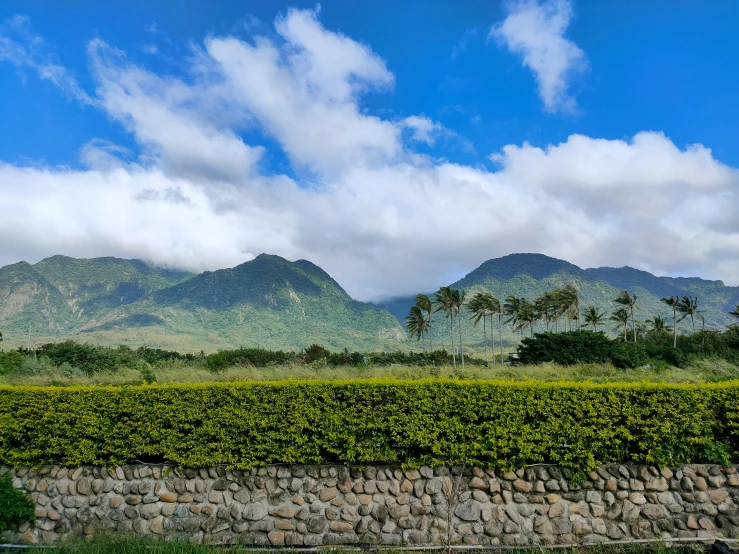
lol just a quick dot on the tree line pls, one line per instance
(551, 308)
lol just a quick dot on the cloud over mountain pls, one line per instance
(365, 205)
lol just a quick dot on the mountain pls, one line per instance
(268, 302)
(530, 275)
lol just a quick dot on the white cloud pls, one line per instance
(378, 216)
(534, 30)
(24, 49)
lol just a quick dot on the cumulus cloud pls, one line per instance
(534, 30)
(377, 215)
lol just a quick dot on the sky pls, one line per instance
(397, 145)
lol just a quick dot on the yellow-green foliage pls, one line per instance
(485, 423)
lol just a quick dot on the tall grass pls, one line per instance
(710, 370)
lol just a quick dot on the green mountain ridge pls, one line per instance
(530, 275)
(268, 302)
(274, 303)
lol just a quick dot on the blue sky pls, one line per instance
(387, 112)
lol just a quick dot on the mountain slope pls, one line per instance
(91, 286)
(28, 300)
(268, 302)
(530, 275)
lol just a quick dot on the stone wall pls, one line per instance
(315, 505)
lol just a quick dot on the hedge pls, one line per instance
(492, 424)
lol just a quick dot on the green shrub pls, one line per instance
(434, 422)
(15, 506)
(10, 361)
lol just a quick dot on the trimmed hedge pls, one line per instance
(494, 424)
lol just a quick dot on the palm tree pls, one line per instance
(688, 306)
(458, 306)
(673, 302)
(493, 307)
(424, 302)
(568, 302)
(444, 301)
(546, 306)
(735, 313)
(621, 316)
(527, 314)
(478, 307)
(628, 301)
(417, 324)
(658, 324)
(511, 310)
(594, 318)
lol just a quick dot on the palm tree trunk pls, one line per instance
(492, 337)
(461, 351)
(626, 327)
(485, 340)
(674, 328)
(423, 342)
(500, 338)
(693, 322)
(431, 336)
(531, 328)
(633, 323)
(451, 328)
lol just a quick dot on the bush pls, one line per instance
(15, 506)
(574, 347)
(484, 423)
(10, 361)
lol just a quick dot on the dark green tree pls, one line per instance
(444, 302)
(621, 317)
(427, 306)
(673, 302)
(593, 318)
(628, 301)
(417, 325)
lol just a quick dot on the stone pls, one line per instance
(157, 525)
(276, 537)
(654, 511)
(283, 511)
(328, 494)
(700, 484)
(718, 496)
(477, 483)
(521, 485)
(168, 497)
(469, 511)
(254, 512)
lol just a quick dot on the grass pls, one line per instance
(126, 545)
(710, 370)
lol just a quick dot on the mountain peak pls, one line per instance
(537, 266)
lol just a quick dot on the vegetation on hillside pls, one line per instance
(522, 314)
(267, 302)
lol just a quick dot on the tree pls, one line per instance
(735, 313)
(568, 302)
(527, 314)
(511, 310)
(688, 307)
(593, 317)
(493, 307)
(417, 324)
(658, 325)
(621, 316)
(546, 307)
(480, 311)
(424, 302)
(458, 297)
(628, 301)
(673, 302)
(444, 301)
